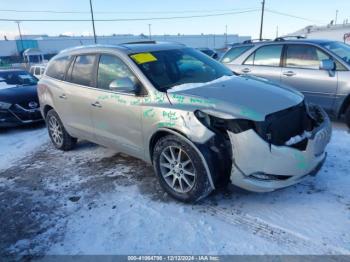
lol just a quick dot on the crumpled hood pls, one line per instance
(243, 97)
(20, 94)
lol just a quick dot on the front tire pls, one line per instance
(58, 134)
(180, 170)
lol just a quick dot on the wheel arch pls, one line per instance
(46, 109)
(161, 132)
(344, 106)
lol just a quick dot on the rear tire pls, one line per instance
(347, 116)
(58, 134)
(180, 169)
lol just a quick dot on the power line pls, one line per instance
(124, 12)
(293, 16)
(128, 19)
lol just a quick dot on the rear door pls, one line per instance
(116, 114)
(301, 70)
(56, 73)
(264, 62)
(79, 96)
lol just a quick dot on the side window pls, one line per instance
(32, 70)
(234, 52)
(37, 70)
(304, 56)
(269, 55)
(57, 67)
(82, 72)
(111, 68)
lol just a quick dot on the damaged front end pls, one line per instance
(277, 152)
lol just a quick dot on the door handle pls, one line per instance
(245, 70)
(63, 96)
(289, 73)
(96, 104)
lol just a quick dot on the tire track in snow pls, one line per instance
(272, 232)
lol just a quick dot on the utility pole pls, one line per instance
(20, 34)
(262, 19)
(276, 31)
(336, 17)
(93, 22)
(149, 31)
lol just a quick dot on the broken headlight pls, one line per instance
(203, 118)
(217, 124)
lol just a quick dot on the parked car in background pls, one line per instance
(320, 69)
(19, 102)
(187, 114)
(209, 52)
(37, 70)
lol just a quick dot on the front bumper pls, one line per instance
(17, 115)
(261, 167)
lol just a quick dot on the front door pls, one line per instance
(301, 70)
(116, 114)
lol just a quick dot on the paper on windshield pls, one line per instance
(142, 58)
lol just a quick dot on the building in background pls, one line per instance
(52, 45)
(339, 32)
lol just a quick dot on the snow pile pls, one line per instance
(19, 142)
(127, 222)
(109, 204)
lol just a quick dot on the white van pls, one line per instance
(37, 70)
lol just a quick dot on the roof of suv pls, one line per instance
(282, 40)
(129, 48)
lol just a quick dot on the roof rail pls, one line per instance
(284, 38)
(140, 42)
(255, 40)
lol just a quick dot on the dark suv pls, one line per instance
(317, 68)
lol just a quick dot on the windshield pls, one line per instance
(169, 68)
(340, 49)
(21, 78)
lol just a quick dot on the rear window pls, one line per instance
(57, 67)
(269, 55)
(82, 73)
(234, 52)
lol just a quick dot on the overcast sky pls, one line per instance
(313, 11)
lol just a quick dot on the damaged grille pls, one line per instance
(279, 127)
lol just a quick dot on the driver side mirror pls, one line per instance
(328, 65)
(123, 84)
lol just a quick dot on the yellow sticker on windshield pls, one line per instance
(142, 58)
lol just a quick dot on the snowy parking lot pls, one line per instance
(93, 200)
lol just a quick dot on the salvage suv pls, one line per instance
(196, 122)
(320, 69)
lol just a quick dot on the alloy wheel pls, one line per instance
(177, 169)
(56, 131)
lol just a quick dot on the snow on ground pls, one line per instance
(93, 200)
(17, 142)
